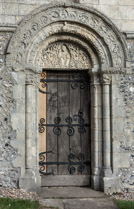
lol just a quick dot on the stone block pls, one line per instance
(30, 183)
(9, 1)
(117, 97)
(7, 19)
(124, 2)
(118, 126)
(121, 160)
(22, 1)
(37, 2)
(125, 12)
(111, 185)
(96, 135)
(10, 9)
(19, 91)
(111, 2)
(19, 18)
(1, 8)
(25, 9)
(128, 25)
(105, 9)
(18, 121)
(89, 2)
(95, 182)
(97, 146)
(96, 126)
(20, 105)
(118, 112)
(106, 111)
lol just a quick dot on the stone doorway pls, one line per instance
(65, 160)
(42, 40)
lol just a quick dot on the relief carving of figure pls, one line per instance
(64, 56)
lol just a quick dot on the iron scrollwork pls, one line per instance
(56, 129)
(76, 160)
(75, 163)
(42, 160)
(41, 125)
(70, 130)
(70, 126)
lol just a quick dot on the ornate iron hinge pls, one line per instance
(73, 160)
(57, 125)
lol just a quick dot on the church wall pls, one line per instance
(121, 12)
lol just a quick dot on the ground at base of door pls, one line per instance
(75, 198)
(80, 203)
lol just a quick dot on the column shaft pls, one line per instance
(106, 123)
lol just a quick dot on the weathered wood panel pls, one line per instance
(67, 99)
(52, 98)
(85, 106)
(75, 140)
(63, 113)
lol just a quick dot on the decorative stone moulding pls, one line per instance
(63, 55)
(65, 21)
(67, 36)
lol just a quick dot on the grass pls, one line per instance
(123, 204)
(7, 203)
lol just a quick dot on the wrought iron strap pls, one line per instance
(65, 163)
(63, 80)
(73, 160)
(57, 125)
(74, 83)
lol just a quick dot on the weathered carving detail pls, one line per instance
(32, 79)
(63, 55)
(94, 79)
(105, 79)
(111, 39)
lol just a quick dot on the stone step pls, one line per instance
(80, 203)
(75, 198)
(69, 192)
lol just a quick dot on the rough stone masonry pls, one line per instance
(120, 12)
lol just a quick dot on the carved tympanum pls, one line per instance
(63, 55)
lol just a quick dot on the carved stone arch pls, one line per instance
(89, 19)
(81, 46)
(104, 51)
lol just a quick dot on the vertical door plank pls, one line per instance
(63, 112)
(51, 114)
(85, 106)
(75, 140)
(42, 114)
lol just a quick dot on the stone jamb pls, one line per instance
(96, 131)
(30, 178)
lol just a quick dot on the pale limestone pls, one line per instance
(109, 56)
(10, 9)
(108, 2)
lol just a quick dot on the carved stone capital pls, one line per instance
(94, 79)
(33, 69)
(32, 79)
(105, 79)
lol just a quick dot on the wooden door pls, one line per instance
(67, 155)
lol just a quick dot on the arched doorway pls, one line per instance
(64, 116)
(105, 48)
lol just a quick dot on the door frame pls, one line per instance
(108, 51)
(80, 180)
